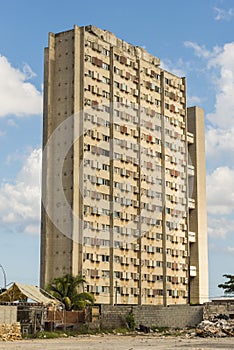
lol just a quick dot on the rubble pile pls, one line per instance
(218, 327)
(10, 331)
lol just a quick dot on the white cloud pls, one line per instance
(220, 191)
(176, 68)
(194, 100)
(20, 201)
(220, 146)
(219, 227)
(28, 72)
(218, 67)
(17, 95)
(222, 14)
(200, 51)
(230, 250)
(2, 133)
(220, 64)
(11, 122)
(223, 116)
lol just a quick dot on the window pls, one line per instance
(117, 274)
(106, 138)
(117, 244)
(117, 113)
(106, 182)
(106, 197)
(105, 258)
(117, 200)
(87, 58)
(89, 73)
(105, 94)
(117, 259)
(105, 52)
(105, 66)
(105, 273)
(158, 236)
(117, 155)
(105, 80)
(99, 181)
(159, 291)
(105, 153)
(157, 102)
(117, 71)
(105, 167)
(105, 212)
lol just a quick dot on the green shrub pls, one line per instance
(130, 319)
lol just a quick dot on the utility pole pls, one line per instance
(4, 276)
(116, 293)
(4, 279)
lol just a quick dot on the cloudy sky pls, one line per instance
(192, 39)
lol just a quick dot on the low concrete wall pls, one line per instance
(8, 314)
(173, 316)
(218, 307)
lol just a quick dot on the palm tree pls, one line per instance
(228, 286)
(65, 289)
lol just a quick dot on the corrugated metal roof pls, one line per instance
(19, 292)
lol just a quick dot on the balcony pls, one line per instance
(190, 137)
(193, 271)
(192, 237)
(191, 203)
(190, 170)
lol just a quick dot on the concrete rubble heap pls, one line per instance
(10, 331)
(219, 326)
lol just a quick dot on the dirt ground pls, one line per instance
(114, 342)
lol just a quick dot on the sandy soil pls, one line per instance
(112, 342)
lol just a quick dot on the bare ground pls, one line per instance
(115, 342)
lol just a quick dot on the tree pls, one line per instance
(65, 289)
(228, 286)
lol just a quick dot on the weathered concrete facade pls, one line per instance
(198, 248)
(125, 175)
(8, 314)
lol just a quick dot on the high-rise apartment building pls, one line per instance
(124, 200)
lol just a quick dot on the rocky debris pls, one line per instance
(10, 331)
(143, 329)
(218, 327)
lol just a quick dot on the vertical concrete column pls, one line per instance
(111, 263)
(139, 183)
(164, 238)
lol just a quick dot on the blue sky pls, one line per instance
(192, 39)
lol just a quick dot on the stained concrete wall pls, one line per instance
(216, 308)
(8, 314)
(173, 316)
